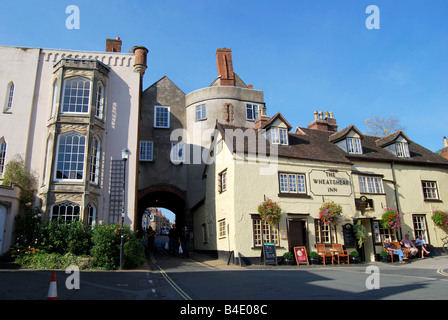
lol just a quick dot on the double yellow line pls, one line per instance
(176, 288)
(442, 272)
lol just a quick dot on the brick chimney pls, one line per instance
(113, 45)
(325, 124)
(225, 66)
(262, 118)
(140, 54)
(444, 150)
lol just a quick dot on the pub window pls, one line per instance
(222, 228)
(264, 232)
(354, 145)
(279, 136)
(430, 191)
(385, 233)
(222, 181)
(402, 149)
(371, 184)
(325, 233)
(292, 183)
(419, 221)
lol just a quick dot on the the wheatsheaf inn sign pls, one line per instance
(327, 182)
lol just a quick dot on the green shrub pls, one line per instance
(106, 247)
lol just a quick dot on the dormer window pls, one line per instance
(402, 149)
(279, 136)
(354, 146)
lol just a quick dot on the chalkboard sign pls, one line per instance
(268, 254)
(349, 235)
(301, 256)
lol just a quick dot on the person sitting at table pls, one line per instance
(399, 252)
(409, 244)
(421, 245)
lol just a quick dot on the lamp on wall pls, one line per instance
(124, 156)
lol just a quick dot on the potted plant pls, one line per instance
(330, 213)
(288, 257)
(314, 257)
(354, 257)
(269, 211)
(384, 256)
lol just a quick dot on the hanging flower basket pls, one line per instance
(330, 213)
(440, 218)
(391, 219)
(270, 211)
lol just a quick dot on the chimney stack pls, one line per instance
(225, 66)
(262, 118)
(140, 54)
(113, 45)
(444, 150)
(325, 124)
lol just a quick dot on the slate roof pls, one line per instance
(317, 145)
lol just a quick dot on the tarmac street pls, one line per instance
(200, 278)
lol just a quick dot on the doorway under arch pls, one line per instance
(162, 196)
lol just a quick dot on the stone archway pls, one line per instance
(164, 196)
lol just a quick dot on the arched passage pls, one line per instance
(164, 196)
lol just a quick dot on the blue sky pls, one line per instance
(304, 55)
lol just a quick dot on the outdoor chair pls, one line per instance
(339, 251)
(324, 253)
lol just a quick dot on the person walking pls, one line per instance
(174, 240)
(185, 239)
(150, 236)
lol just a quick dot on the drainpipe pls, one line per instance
(395, 191)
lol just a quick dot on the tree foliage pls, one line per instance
(17, 173)
(381, 126)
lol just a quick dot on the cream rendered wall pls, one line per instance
(252, 187)
(19, 65)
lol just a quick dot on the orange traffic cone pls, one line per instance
(52, 291)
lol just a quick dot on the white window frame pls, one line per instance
(279, 136)
(177, 147)
(264, 232)
(67, 204)
(3, 146)
(67, 108)
(72, 156)
(99, 103)
(9, 97)
(252, 111)
(371, 184)
(354, 146)
(95, 158)
(222, 228)
(157, 124)
(201, 112)
(146, 152)
(402, 149)
(292, 183)
(430, 190)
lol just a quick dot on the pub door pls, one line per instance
(297, 235)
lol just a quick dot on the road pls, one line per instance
(200, 279)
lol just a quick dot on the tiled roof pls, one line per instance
(315, 145)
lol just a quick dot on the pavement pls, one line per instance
(439, 262)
